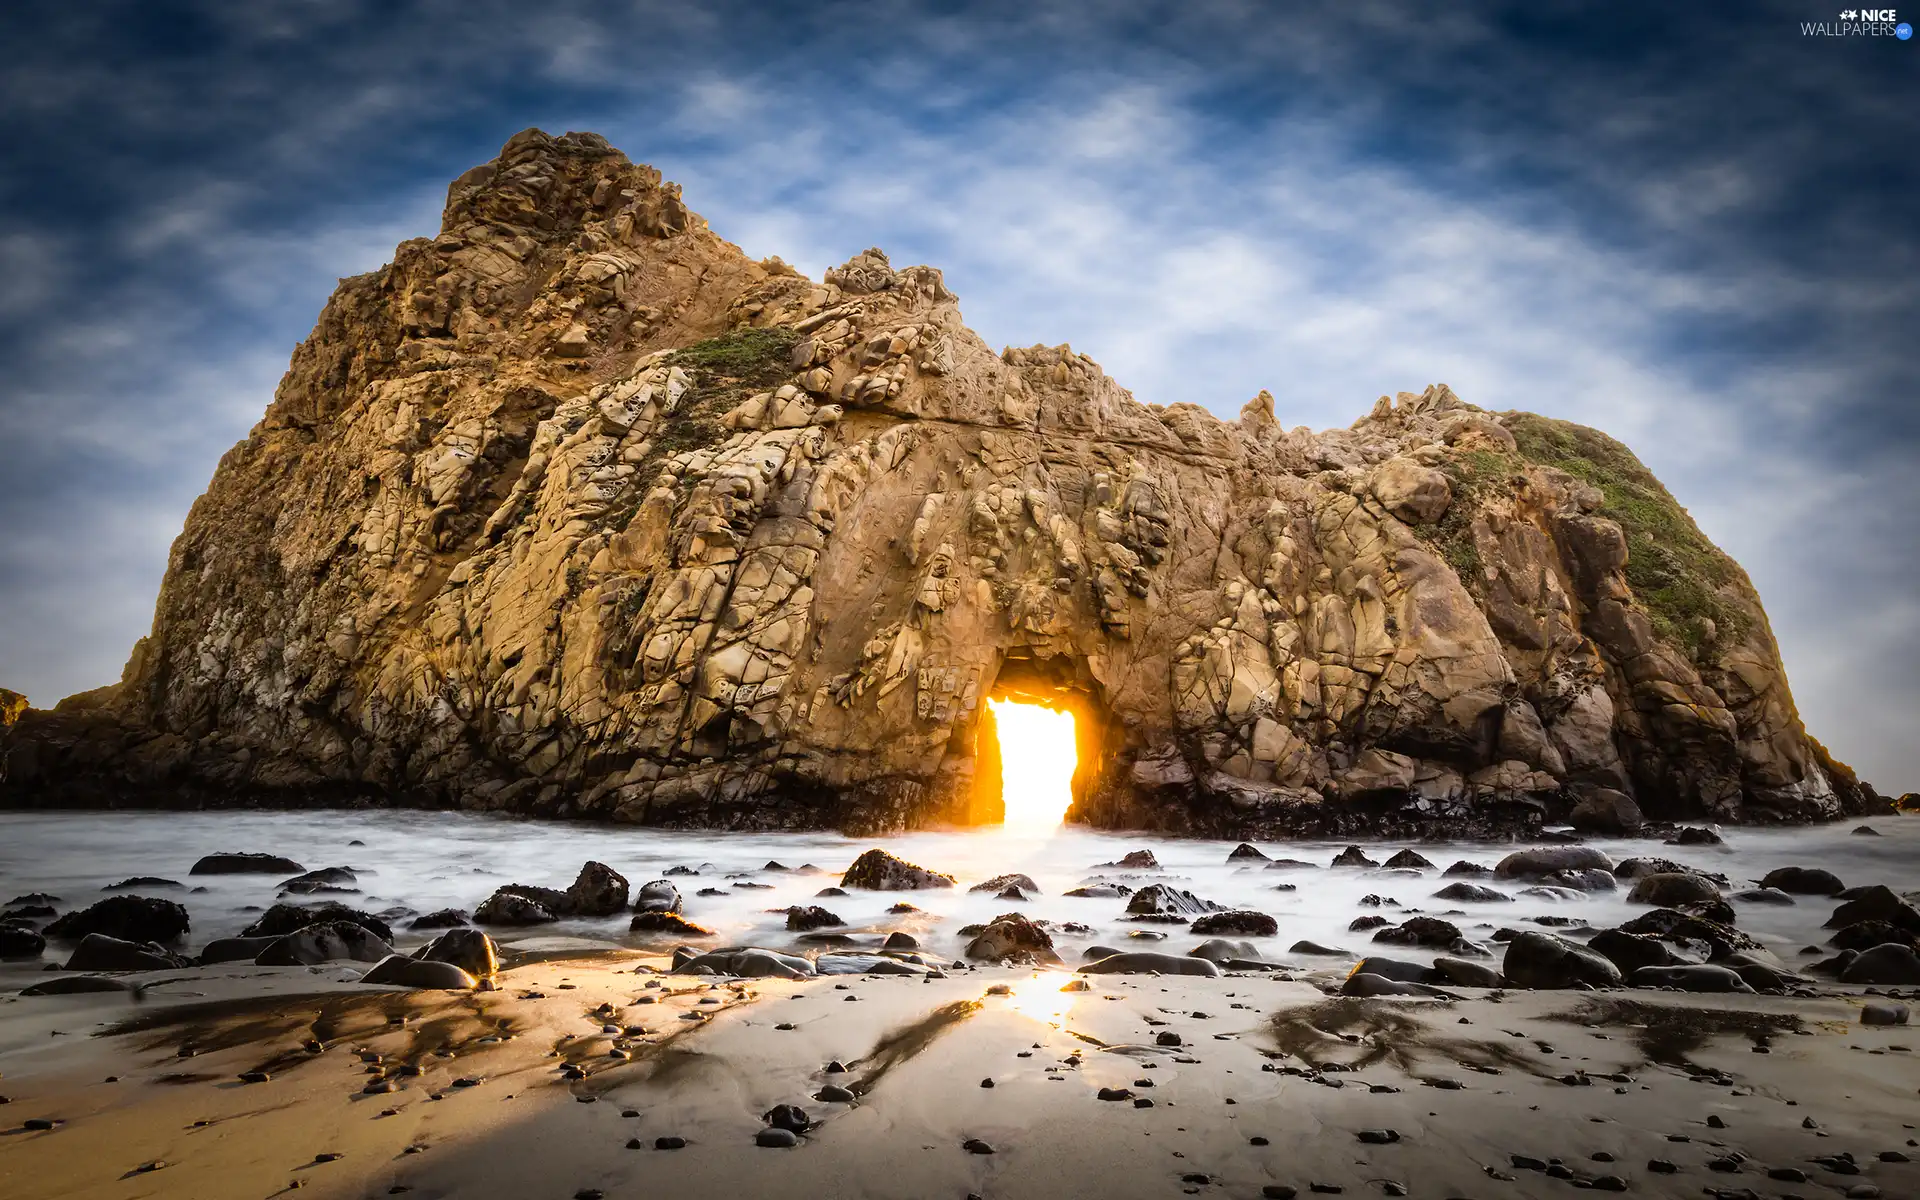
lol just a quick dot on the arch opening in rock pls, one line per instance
(1037, 745)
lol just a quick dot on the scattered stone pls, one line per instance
(1143, 962)
(1672, 890)
(445, 918)
(1000, 883)
(142, 881)
(329, 941)
(1163, 902)
(1409, 860)
(397, 970)
(1011, 937)
(129, 918)
(1541, 960)
(1472, 893)
(98, 952)
(1353, 856)
(1238, 921)
(283, 919)
(246, 864)
(597, 891)
(1889, 964)
(471, 950)
(1246, 852)
(1430, 932)
(326, 879)
(666, 922)
(1695, 835)
(1136, 860)
(803, 918)
(1691, 977)
(1607, 812)
(878, 871)
(1804, 881)
(1883, 1014)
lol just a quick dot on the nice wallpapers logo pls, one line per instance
(1860, 22)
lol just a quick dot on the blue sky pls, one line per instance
(1690, 226)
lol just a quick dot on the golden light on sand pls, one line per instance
(1041, 999)
(1037, 757)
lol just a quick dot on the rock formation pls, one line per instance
(575, 510)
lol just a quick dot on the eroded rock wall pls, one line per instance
(575, 510)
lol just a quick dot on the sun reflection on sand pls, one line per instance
(1041, 998)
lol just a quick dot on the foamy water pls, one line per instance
(426, 861)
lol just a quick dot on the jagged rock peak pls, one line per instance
(574, 509)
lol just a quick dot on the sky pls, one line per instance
(1692, 226)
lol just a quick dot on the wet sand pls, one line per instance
(1270, 1087)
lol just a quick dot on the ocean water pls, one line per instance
(422, 861)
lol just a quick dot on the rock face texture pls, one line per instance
(575, 510)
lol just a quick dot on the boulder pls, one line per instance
(1541, 960)
(659, 896)
(1291, 864)
(246, 864)
(597, 891)
(878, 871)
(1365, 983)
(1216, 950)
(1317, 950)
(1240, 921)
(1631, 951)
(1764, 895)
(1147, 962)
(1461, 973)
(1011, 937)
(445, 918)
(129, 918)
(1466, 870)
(397, 970)
(1164, 902)
(1606, 812)
(1411, 491)
(1671, 890)
(1864, 935)
(1883, 1014)
(846, 962)
(1804, 881)
(139, 882)
(1394, 968)
(18, 941)
(1695, 835)
(1890, 965)
(654, 921)
(803, 918)
(1692, 977)
(283, 919)
(98, 952)
(1543, 862)
(1134, 860)
(1671, 925)
(1099, 891)
(1472, 893)
(471, 950)
(1000, 883)
(515, 904)
(326, 879)
(1353, 856)
(746, 962)
(1246, 852)
(1409, 860)
(1875, 903)
(328, 941)
(234, 949)
(1430, 932)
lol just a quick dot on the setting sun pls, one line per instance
(1037, 757)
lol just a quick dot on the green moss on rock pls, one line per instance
(1680, 578)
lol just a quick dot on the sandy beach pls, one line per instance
(984, 1082)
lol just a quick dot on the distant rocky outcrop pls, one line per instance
(573, 509)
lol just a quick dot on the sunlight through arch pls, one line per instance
(1038, 753)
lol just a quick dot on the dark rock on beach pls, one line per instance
(327, 941)
(246, 864)
(1541, 960)
(283, 919)
(878, 871)
(1237, 921)
(98, 952)
(129, 918)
